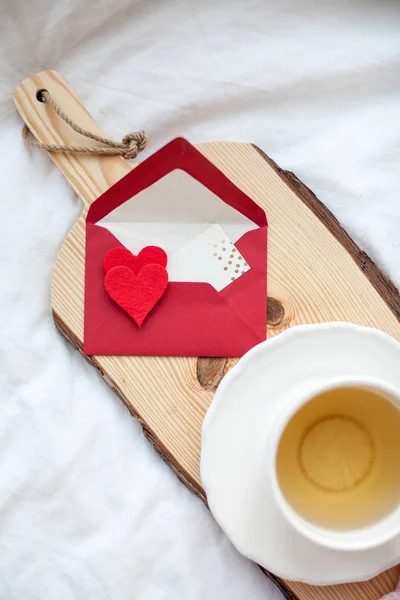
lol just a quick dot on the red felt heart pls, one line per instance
(122, 257)
(136, 294)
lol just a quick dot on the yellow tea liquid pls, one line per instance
(338, 460)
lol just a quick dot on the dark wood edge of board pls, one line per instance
(385, 288)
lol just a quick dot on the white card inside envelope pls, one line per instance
(210, 257)
(171, 213)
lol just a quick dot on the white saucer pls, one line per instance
(233, 470)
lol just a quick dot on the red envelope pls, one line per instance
(177, 199)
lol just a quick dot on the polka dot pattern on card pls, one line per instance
(224, 252)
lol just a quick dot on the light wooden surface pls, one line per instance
(315, 273)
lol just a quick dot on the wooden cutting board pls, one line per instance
(315, 273)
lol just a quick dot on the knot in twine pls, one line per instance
(128, 148)
(133, 143)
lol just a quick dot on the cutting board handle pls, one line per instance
(89, 175)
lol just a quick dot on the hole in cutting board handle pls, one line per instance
(39, 95)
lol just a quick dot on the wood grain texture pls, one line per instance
(316, 273)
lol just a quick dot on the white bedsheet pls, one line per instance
(87, 509)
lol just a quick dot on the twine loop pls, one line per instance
(128, 148)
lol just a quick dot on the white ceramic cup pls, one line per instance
(361, 538)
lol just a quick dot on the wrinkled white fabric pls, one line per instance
(87, 509)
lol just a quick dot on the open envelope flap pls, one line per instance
(181, 155)
(172, 202)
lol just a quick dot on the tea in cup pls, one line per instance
(337, 464)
